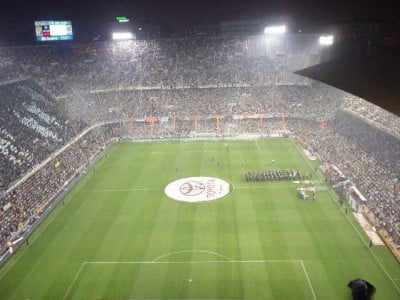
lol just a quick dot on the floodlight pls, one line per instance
(122, 36)
(326, 40)
(275, 29)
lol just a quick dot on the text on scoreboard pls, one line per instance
(53, 31)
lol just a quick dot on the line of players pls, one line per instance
(276, 175)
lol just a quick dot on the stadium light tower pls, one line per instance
(275, 29)
(122, 36)
(326, 40)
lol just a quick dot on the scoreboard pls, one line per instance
(53, 31)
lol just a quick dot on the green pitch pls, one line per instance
(119, 237)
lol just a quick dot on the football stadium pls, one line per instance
(196, 168)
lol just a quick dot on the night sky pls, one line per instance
(17, 16)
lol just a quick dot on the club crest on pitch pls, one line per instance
(197, 189)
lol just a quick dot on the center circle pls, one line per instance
(197, 189)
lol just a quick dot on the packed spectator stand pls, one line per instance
(186, 87)
(31, 127)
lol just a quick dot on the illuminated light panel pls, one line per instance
(275, 29)
(326, 40)
(122, 36)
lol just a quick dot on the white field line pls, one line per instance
(192, 251)
(47, 222)
(36, 235)
(258, 145)
(116, 190)
(233, 190)
(265, 187)
(189, 262)
(352, 225)
(73, 281)
(174, 152)
(155, 262)
(308, 280)
(205, 151)
(254, 188)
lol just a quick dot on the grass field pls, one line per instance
(118, 236)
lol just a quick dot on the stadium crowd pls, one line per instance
(287, 100)
(32, 126)
(360, 152)
(372, 113)
(165, 88)
(27, 202)
(166, 63)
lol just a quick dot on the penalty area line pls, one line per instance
(308, 279)
(190, 262)
(73, 281)
(154, 262)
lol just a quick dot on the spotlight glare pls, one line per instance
(275, 29)
(326, 40)
(122, 36)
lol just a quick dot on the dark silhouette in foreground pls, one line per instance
(361, 289)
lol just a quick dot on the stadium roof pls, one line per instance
(374, 79)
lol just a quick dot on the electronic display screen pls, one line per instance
(53, 31)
